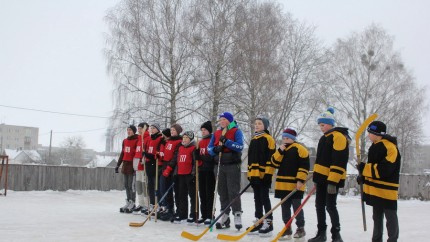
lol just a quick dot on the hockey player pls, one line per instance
(260, 151)
(140, 183)
(229, 147)
(169, 148)
(151, 155)
(206, 175)
(126, 159)
(329, 174)
(381, 181)
(184, 164)
(292, 162)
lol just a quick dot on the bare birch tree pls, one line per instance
(257, 66)
(214, 40)
(368, 76)
(303, 58)
(279, 68)
(151, 60)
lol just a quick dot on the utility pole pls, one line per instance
(50, 145)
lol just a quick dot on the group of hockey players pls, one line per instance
(169, 166)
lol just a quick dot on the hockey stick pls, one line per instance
(357, 151)
(238, 237)
(217, 176)
(153, 211)
(197, 182)
(193, 237)
(156, 188)
(287, 225)
(144, 164)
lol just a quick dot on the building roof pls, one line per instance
(101, 160)
(12, 153)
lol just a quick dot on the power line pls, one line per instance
(54, 112)
(69, 132)
(81, 131)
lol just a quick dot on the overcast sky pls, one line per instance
(51, 56)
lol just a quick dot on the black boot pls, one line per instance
(320, 237)
(336, 237)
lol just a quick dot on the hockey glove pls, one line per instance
(197, 154)
(331, 189)
(167, 171)
(217, 149)
(117, 169)
(223, 139)
(360, 180)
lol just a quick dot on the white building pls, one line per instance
(18, 137)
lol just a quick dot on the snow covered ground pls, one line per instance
(94, 216)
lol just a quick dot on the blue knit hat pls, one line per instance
(327, 117)
(227, 116)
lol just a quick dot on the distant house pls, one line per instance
(103, 161)
(23, 156)
(11, 154)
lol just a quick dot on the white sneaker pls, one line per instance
(208, 222)
(255, 230)
(266, 229)
(130, 207)
(224, 222)
(123, 208)
(148, 211)
(238, 220)
(137, 210)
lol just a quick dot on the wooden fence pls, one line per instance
(411, 186)
(62, 178)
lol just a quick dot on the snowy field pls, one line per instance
(94, 216)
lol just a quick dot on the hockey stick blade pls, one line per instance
(238, 237)
(234, 237)
(288, 224)
(134, 224)
(193, 237)
(360, 131)
(197, 237)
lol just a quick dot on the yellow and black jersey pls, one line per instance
(260, 150)
(381, 174)
(332, 157)
(293, 165)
